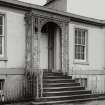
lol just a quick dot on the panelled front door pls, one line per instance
(50, 47)
(51, 50)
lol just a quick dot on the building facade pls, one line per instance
(34, 39)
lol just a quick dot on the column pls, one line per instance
(32, 43)
(32, 70)
(28, 56)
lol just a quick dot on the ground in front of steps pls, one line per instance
(100, 102)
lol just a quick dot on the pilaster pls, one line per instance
(65, 48)
(32, 44)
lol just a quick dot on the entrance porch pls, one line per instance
(47, 58)
(46, 44)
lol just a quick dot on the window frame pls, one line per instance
(85, 60)
(3, 56)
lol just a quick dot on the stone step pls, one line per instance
(58, 80)
(60, 84)
(59, 89)
(66, 101)
(63, 88)
(69, 97)
(52, 74)
(57, 77)
(65, 93)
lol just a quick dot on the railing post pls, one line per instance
(41, 82)
(37, 88)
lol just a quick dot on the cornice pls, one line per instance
(50, 16)
(86, 21)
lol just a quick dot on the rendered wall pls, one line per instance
(95, 52)
(15, 33)
(85, 8)
(94, 69)
(12, 70)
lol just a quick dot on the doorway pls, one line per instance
(50, 47)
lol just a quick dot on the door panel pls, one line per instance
(57, 55)
(51, 50)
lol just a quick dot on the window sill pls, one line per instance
(81, 63)
(3, 59)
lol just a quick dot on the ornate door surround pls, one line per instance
(35, 20)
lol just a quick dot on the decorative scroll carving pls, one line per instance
(35, 46)
(49, 15)
(44, 21)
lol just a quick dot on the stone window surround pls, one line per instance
(86, 44)
(86, 61)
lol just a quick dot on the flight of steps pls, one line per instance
(59, 88)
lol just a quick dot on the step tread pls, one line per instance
(56, 76)
(46, 75)
(67, 96)
(62, 83)
(53, 73)
(59, 79)
(63, 87)
(67, 101)
(68, 91)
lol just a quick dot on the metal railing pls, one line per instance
(19, 90)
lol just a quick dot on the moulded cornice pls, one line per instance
(50, 16)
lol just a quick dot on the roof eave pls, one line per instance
(26, 6)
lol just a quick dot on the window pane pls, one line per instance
(76, 37)
(77, 48)
(79, 37)
(82, 49)
(83, 37)
(1, 30)
(82, 52)
(77, 52)
(0, 45)
(82, 56)
(79, 56)
(1, 20)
